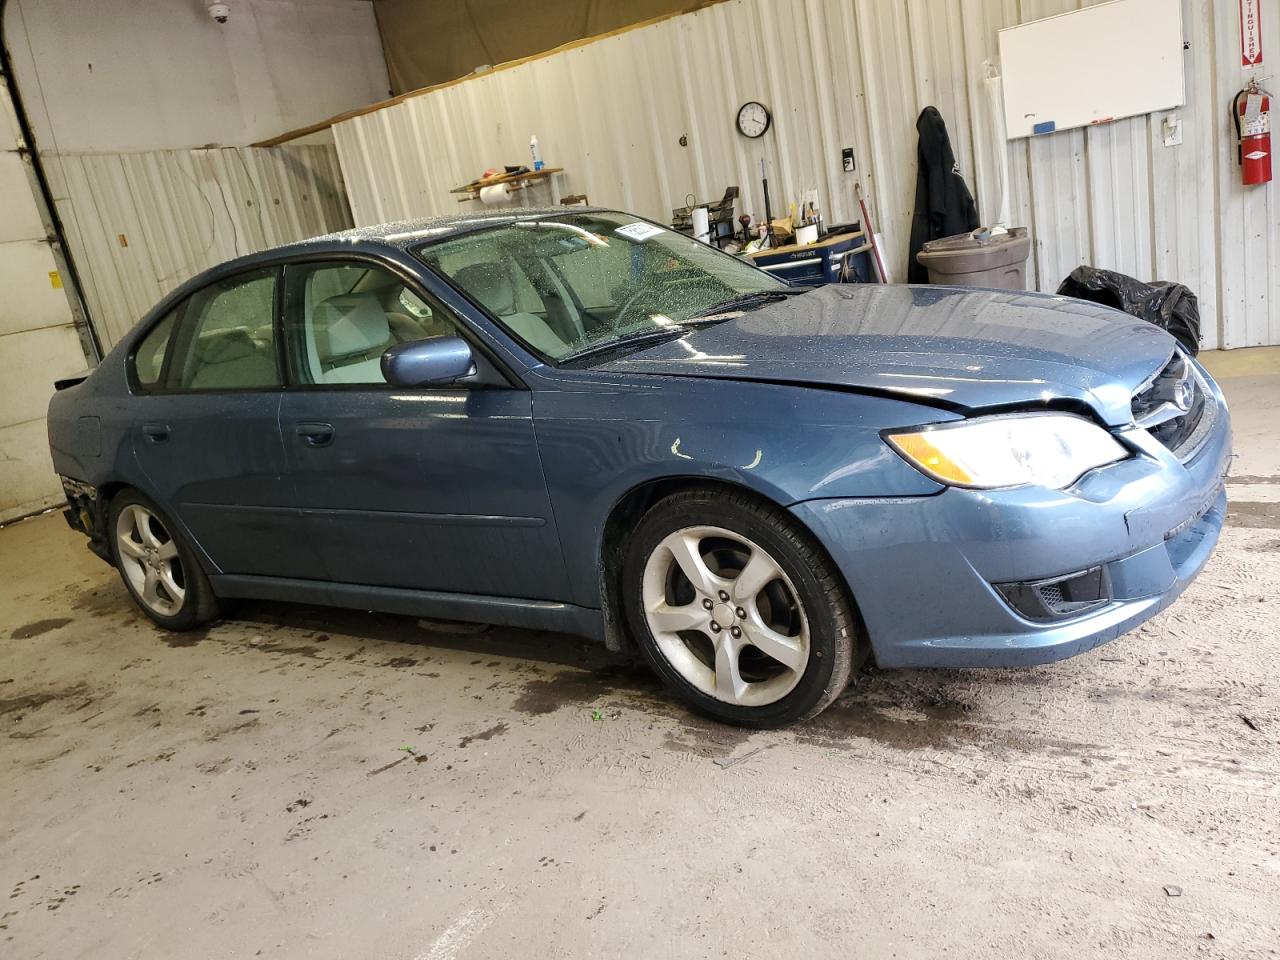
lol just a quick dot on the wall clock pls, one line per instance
(753, 119)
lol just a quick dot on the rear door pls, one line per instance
(434, 489)
(207, 433)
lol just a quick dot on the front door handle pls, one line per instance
(315, 434)
(156, 432)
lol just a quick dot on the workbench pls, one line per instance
(821, 262)
(514, 182)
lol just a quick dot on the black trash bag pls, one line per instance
(1170, 306)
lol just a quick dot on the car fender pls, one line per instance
(601, 436)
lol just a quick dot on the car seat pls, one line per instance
(350, 332)
(231, 359)
(490, 283)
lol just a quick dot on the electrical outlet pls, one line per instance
(846, 159)
(1172, 130)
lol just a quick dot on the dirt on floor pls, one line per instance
(296, 781)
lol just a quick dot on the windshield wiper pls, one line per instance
(746, 299)
(705, 317)
(623, 343)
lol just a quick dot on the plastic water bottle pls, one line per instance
(537, 153)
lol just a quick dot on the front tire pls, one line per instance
(159, 570)
(738, 609)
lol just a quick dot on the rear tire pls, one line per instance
(158, 568)
(738, 609)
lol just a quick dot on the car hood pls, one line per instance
(951, 346)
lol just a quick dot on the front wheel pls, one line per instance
(159, 570)
(737, 609)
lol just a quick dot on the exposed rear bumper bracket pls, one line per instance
(85, 513)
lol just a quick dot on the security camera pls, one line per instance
(220, 12)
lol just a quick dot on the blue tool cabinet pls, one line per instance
(821, 262)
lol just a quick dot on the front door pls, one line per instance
(206, 428)
(433, 489)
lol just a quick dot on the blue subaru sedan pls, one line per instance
(582, 421)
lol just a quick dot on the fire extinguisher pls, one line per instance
(1251, 113)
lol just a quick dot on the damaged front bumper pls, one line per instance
(1015, 577)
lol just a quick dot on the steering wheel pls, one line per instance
(650, 295)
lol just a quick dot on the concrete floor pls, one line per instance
(296, 782)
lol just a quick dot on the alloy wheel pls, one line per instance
(725, 615)
(150, 561)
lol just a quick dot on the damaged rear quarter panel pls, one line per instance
(89, 427)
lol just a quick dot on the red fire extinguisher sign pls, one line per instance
(1250, 33)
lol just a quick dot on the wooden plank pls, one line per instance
(475, 185)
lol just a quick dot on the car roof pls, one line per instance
(402, 234)
(398, 235)
(406, 233)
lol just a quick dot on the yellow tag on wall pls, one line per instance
(55, 279)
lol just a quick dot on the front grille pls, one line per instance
(1176, 407)
(1058, 598)
(1051, 596)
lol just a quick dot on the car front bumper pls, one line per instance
(924, 570)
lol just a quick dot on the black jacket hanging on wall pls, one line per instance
(944, 206)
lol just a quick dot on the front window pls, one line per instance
(340, 318)
(579, 284)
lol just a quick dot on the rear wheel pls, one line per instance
(158, 569)
(738, 609)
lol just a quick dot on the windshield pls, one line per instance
(581, 283)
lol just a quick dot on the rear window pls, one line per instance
(229, 336)
(222, 337)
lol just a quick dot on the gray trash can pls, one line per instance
(979, 259)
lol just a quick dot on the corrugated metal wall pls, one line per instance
(140, 224)
(855, 73)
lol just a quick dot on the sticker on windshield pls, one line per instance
(638, 231)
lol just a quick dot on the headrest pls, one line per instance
(350, 323)
(490, 283)
(223, 346)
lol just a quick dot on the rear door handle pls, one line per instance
(315, 434)
(156, 432)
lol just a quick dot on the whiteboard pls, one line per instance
(1102, 63)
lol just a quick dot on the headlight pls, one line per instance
(1049, 450)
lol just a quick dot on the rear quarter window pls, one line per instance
(148, 358)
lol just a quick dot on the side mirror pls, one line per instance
(438, 360)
